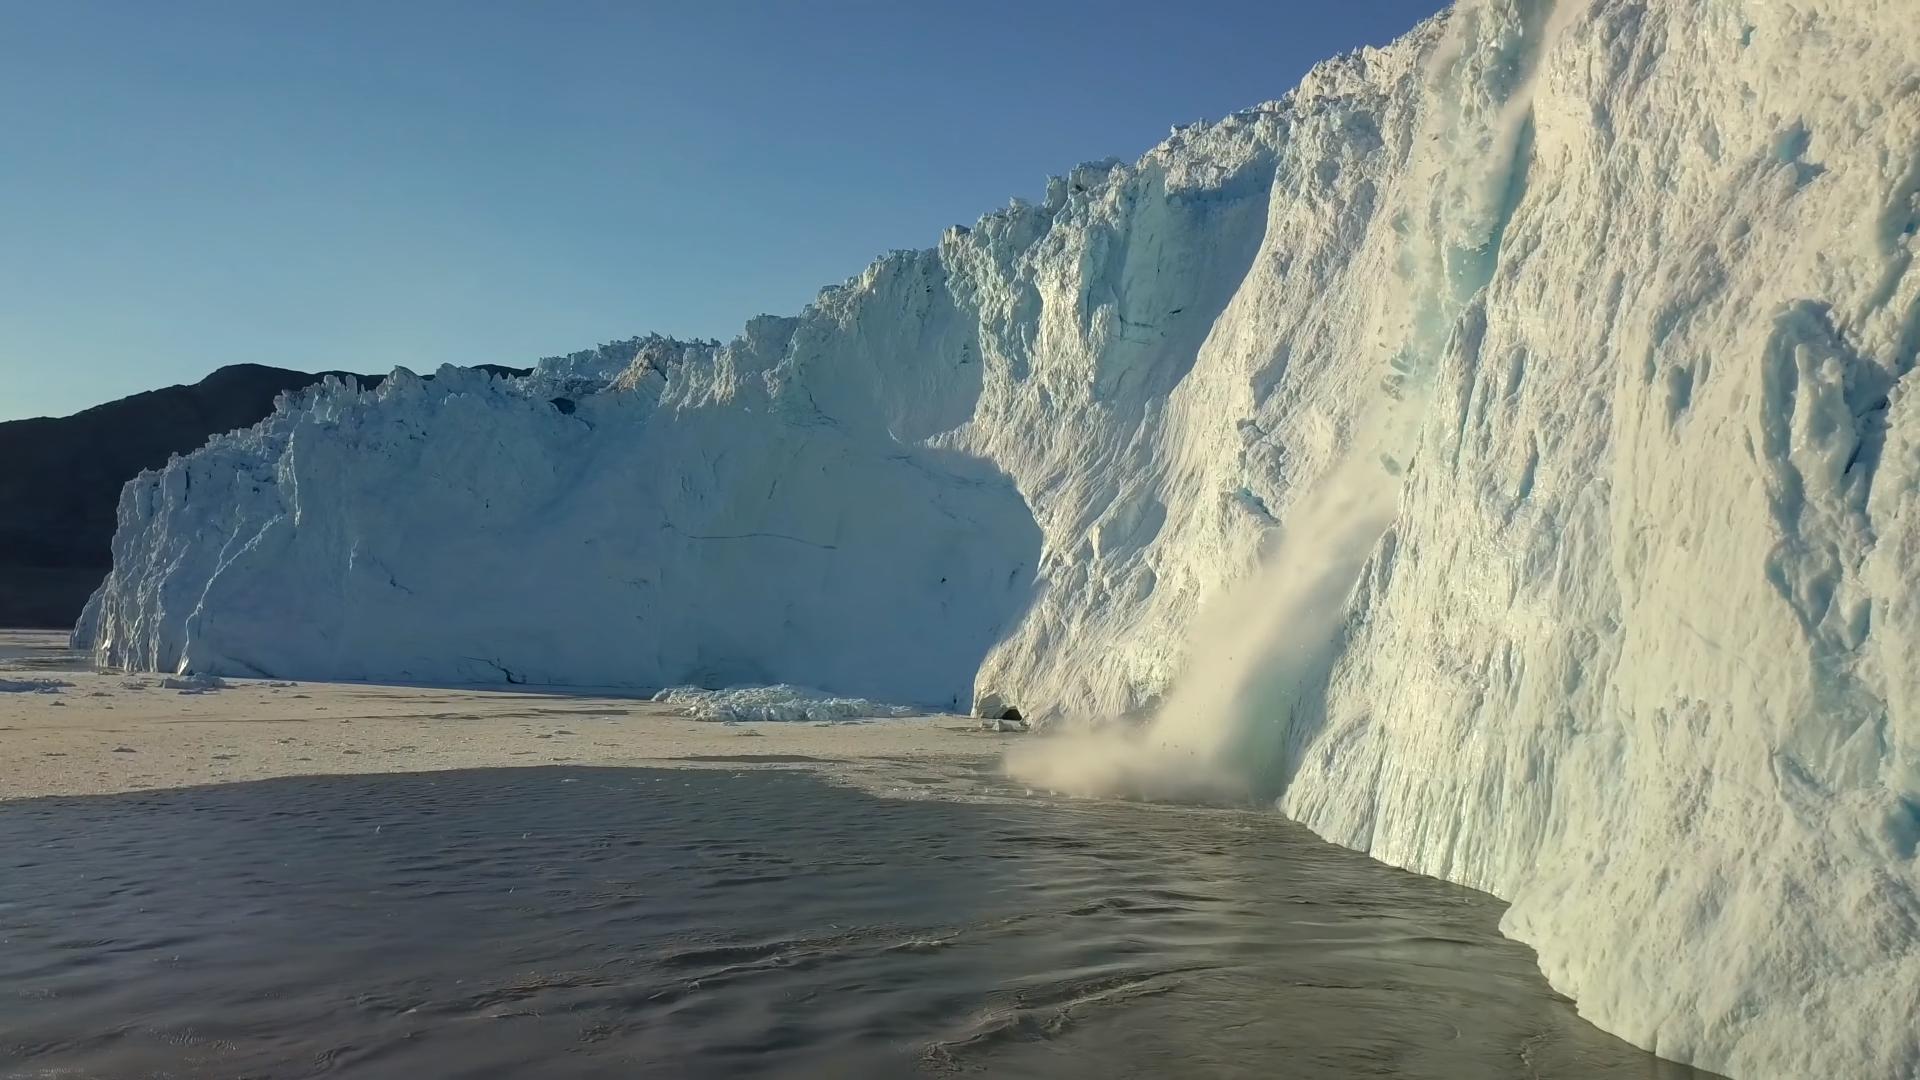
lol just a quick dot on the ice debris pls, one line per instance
(778, 703)
(32, 686)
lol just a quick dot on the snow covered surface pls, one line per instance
(779, 703)
(1565, 351)
(107, 733)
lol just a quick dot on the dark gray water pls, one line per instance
(573, 922)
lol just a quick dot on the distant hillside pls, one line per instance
(61, 479)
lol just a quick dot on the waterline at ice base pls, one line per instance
(1502, 453)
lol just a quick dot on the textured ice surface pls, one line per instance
(789, 703)
(197, 684)
(1630, 283)
(33, 686)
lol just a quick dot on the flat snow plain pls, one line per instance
(107, 732)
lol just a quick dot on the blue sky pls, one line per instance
(360, 185)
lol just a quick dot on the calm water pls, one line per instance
(573, 922)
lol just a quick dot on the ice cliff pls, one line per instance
(1619, 294)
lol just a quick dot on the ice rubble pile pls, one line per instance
(1636, 649)
(774, 703)
(33, 686)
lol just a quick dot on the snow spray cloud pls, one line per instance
(1225, 723)
(1222, 733)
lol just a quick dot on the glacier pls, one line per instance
(1601, 313)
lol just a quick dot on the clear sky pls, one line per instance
(364, 184)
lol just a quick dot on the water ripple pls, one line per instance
(573, 922)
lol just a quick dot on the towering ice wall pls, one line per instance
(1613, 299)
(1640, 651)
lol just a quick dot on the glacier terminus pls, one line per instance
(1502, 452)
